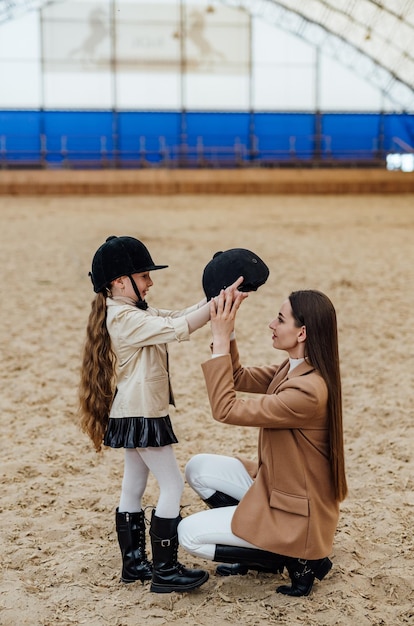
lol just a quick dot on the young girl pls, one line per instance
(125, 393)
(289, 500)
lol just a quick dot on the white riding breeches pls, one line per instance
(207, 473)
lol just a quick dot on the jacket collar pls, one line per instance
(118, 300)
(299, 370)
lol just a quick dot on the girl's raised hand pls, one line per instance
(234, 291)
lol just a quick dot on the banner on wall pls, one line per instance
(145, 37)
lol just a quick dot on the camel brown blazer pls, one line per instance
(290, 508)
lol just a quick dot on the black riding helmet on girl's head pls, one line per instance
(120, 256)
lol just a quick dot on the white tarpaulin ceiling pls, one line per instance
(374, 38)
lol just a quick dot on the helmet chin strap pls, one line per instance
(141, 304)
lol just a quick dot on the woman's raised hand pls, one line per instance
(223, 310)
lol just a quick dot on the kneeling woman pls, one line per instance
(289, 499)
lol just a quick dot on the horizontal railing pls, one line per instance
(63, 151)
(123, 139)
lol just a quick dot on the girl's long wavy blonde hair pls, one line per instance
(96, 387)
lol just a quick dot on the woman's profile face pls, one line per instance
(286, 335)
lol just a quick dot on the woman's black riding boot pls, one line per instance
(218, 500)
(130, 528)
(302, 574)
(242, 559)
(233, 567)
(168, 574)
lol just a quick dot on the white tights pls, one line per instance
(163, 465)
(207, 473)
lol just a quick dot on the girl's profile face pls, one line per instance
(286, 334)
(122, 286)
(143, 282)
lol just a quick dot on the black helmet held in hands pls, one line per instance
(226, 267)
(120, 256)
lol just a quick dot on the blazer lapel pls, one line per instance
(279, 378)
(283, 374)
(300, 370)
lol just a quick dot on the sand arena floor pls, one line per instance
(60, 558)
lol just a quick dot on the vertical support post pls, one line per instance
(252, 140)
(317, 141)
(113, 70)
(182, 159)
(380, 156)
(42, 125)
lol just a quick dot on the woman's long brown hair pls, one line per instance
(96, 387)
(315, 311)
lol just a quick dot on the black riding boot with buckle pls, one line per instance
(302, 574)
(168, 574)
(130, 528)
(218, 500)
(242, 559)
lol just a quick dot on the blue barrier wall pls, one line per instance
(199, 139)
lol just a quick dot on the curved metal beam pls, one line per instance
(367, 23)
(398, 90)
(10, 10)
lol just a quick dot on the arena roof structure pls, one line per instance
(220, 83)
(374, 38)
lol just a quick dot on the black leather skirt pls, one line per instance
(139, 432)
